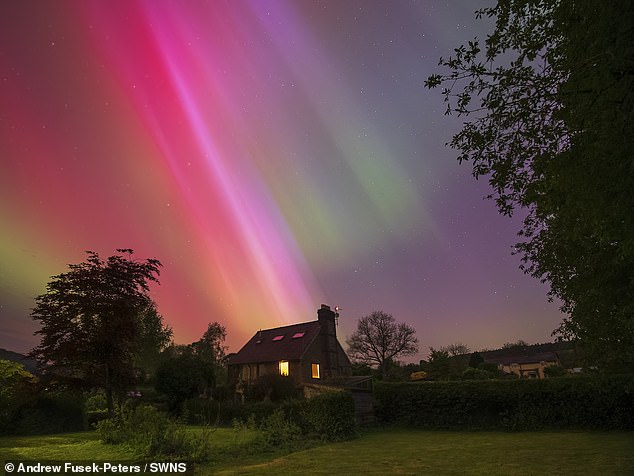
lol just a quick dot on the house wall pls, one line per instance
(313, 355)
(247, 373)
(528, 370)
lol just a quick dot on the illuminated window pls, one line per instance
(315, 370)
(297, 335)
(278, 337)
(284, 368)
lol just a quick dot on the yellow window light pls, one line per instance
(284, 368)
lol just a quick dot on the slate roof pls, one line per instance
(262, 347)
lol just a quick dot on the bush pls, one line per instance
(146, 431)
(237, 412)
(17, 388)
(471, 373)
(328, 417)
(279, 430)
(583, 402)
(272, 387)
(96, 402)
(555, 371)
(95, 416)
(331, 416)
(54, 412)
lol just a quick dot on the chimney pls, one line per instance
(327, 316)
(327, 319)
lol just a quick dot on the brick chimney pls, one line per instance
(328, 333)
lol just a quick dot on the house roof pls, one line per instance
(267, 345)
(524, 358)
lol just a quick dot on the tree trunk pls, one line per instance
(109, 399)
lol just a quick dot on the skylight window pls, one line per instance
(297, 335)
(276, 338)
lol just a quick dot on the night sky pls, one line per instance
(274, 155)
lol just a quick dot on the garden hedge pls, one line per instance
(556, 403)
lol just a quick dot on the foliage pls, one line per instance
(456, 349)
(211, 345)
(96, 401)
(26, 408)
(186, 371)
(182, 375)
(471, 373)
(147, 432)
(211, 350)
(326, 417)
(154, 337)
(475, 360)
(272, 387)
(331, 416)
(51, 411)
(279, 430)
(581, 402)
(492, 368)
(555, 371)
(441, 366)
(16, 388)
(98, 320)
(550, 101)
(520, 345)
(379, 340)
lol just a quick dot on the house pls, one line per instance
(307, 352)
(526, 365)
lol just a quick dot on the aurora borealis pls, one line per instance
(274, 155)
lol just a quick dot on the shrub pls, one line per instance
(258, 410)
(555, 371)
(330, 416)
(146, 431)
(54, 412)
(471, 373)
(279, 430)
(583, 402)
(17, 387)
(95, 416)
(96, 401)
(272, 387)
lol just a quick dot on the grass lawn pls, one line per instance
(385, 452)
(412, 452)
(85, 446)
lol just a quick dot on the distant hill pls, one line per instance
(569, 356)
(29, 364)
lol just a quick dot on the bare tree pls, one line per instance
(379, 339)
(456, 349)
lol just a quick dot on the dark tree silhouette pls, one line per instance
(189, 370)
(98, 321)
(550, 101)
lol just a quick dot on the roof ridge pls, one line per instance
(299, 324)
